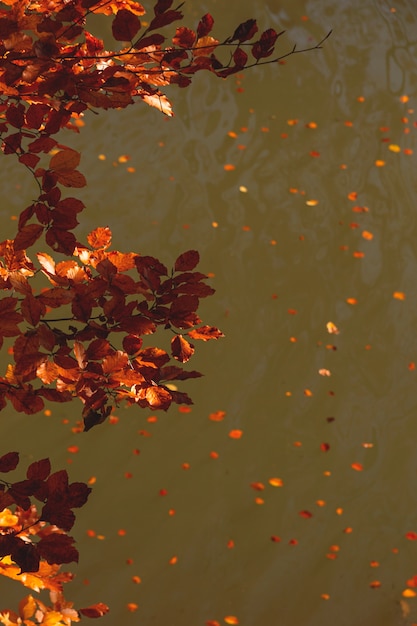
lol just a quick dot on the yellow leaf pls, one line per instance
(7, 518)
(394, 148)
(27, 607)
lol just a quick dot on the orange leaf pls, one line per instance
(276, 482)
(398, 295)
(132, 607)
(367, 235)
(99, 238)
(229, 167)
(231, 619)
(357, 466)
(235, 434)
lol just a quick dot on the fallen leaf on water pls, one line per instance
(398, 295)
(217, 416)
(394, 147)
(231, 619)
(324, 372)
(276, 482)
(228, 167)
(357, 466)
(332, 328)
(257, 486)
(409, 593)
(367, 235)
(412, 536)
(235, 434)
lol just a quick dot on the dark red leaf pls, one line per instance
(152, 40)
(163, 19)
(265, 46)
(61, 516)
(35, 115)
(205, 25)
(77, 495)
(57, 548)
(95, 610)
(39, 470)
(132, 344)
(15, 115)
(125, 25)
(61, 240)
(161, 6)
(245, 31)
(240, 58)
(9, 461)
(25, 555)
(27, 236)
(187, 261)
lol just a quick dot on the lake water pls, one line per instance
(316, 224)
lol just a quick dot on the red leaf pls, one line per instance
(306, 514)
(39, 470)
(95, 610)
(205, 25)
(205, 333)
(125, 25)
(27, 236)
(9, 461)
(181, 349)
(245, 31)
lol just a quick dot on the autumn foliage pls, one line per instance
(81, 331)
